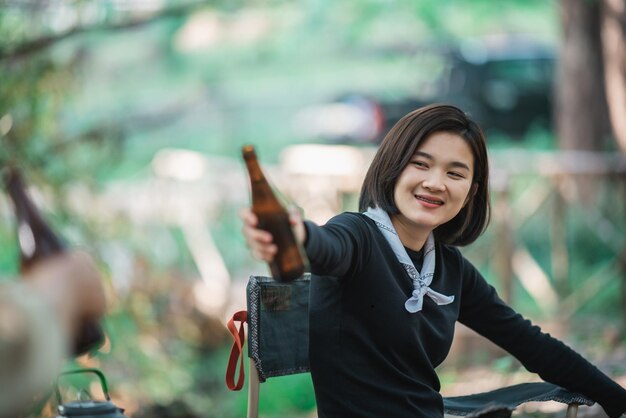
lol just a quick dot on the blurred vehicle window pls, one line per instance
(506, 85)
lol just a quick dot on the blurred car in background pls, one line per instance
(506, 84)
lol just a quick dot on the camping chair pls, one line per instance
(278, 344)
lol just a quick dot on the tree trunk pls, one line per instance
(581, 109)
(614, 48)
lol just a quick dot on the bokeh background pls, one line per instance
(128, 116)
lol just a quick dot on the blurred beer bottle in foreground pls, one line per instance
(38, 241)
(288, 264)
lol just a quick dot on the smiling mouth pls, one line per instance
(431, 201)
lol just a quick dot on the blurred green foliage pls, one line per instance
(94, 104)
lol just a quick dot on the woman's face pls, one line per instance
(436, 184)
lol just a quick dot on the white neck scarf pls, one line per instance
(421, 281)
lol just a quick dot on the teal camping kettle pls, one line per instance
(89, 408)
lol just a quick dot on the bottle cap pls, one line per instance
(248, 151)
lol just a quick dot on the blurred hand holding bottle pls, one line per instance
(68, 278)
(73, 285)
(50, 312)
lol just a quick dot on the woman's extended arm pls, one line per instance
(334, 249)
(483, 311)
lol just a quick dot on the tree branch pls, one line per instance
(119, 129)
(36, 45)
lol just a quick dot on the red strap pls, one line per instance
(236, 351)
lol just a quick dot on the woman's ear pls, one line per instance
(471, 193)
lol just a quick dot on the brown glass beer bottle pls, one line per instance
(37, 241)
(288, 264)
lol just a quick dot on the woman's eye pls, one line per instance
(420, 164)
(456, 175)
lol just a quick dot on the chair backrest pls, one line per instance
(278, 345)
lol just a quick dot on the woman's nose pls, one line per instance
(434, 182)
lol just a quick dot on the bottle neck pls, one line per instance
(254, 169)
(36, 239)
(23, 205)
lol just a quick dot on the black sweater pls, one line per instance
(371, 358)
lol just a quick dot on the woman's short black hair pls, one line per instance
(398, 148)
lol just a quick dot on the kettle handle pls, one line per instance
(103, 382)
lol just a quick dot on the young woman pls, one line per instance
(389, 283)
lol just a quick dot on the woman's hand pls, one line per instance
(72, 283)
(261, 242)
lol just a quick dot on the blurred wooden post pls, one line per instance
(622, 261)
(560, 258)
(504, 237)
(572, 411)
